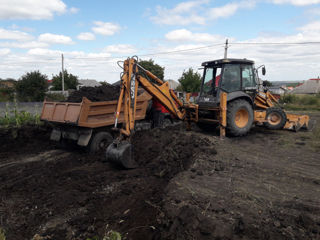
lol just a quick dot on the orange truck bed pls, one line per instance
(89, 114)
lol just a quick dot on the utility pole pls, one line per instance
(62, 74)
(226, 49)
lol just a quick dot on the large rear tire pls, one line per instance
(276, 118)
(100, 141)
(239, 117)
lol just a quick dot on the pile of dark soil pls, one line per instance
(106, 92)
(24, 140)
(71, 195)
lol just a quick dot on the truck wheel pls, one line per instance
(276, 118)
(100, 141)
(239, 117)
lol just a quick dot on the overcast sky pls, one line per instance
(94, 35)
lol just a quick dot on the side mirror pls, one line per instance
(263, 70)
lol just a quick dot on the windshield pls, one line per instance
(231, 78)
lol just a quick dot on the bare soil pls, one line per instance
(105, 92)
(190, 185)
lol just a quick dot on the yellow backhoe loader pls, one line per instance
(231, 97)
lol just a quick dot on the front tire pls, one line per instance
(276, 118)
(239, 117)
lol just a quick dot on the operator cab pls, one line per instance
(234, 76)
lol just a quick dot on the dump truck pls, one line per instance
(231, 98)
(89, 123)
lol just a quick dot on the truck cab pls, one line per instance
(236, 77)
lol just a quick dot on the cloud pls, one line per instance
(35, 9)
(120, 48)
(55, 39)
(194, 12)
(313, 27)
(14, 35)
(183, 35)
(182, 14)
(105, 28)
(86, 36)
(31, 44)
(74, 10)
(44, 52)
(296, 2)
(229, 9)
(4, 51)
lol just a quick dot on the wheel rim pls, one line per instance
(274, 118)
(103, 144)
(241, 118)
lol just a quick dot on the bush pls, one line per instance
(32, 87)
(6, 94)
(58, 97)
(301, 102)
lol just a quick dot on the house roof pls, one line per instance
(89, 83)
(308, 87)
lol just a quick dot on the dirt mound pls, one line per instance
(106, 92)
(72, 195)
(14, 141)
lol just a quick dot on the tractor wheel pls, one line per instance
(239, 117)
(100, 141)
(276, 118)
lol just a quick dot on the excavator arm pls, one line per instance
(133, 76)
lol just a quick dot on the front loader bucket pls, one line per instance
(121, 154)
(296, 122)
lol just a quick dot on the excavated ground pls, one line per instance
(190, 185)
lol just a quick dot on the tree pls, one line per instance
(32, 87)
(267, 83)
(70, 81)
(190, 81)
(156, 69)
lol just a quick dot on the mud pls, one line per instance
(71, 195)
(106, 92)
(190, 185)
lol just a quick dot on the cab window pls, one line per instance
(248, 77)
(231, 78)
(207, 87)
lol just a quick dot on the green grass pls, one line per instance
(14, 117)
(297, 102)
(2, 234)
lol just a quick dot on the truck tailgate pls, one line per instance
(62, 112)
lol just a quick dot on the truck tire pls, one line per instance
(276, 118)
(100, 141)
(239, 117)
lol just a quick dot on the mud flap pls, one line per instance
(55, 135)
(84, 137)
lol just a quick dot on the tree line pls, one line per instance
(33, 85)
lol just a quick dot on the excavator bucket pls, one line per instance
(121, 153)
(296, 122)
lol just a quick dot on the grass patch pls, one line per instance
(305, 102)
(2, 234)
(14, 117)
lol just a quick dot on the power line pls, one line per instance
(199, 48)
